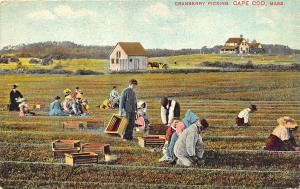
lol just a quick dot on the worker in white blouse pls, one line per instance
(114, 97)
(169, 109)
(243, 117)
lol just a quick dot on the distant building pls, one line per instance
(256, 48)
(128, 56)
(235, 46)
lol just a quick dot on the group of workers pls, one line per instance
(184, 144)
(73, 104)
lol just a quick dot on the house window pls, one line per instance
(112, 61)
(118, 54)
(130, 59)
(117, 61)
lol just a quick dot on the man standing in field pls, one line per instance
(128, 107)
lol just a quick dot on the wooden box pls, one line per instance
(65, 144)
(81, 158)
(94, 124)
(100, 149)
(72, 125)
(151, 141)
(117, 125)
(60, 147)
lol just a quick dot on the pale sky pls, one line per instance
(156, 24)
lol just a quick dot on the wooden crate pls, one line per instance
(117, 125)
(100, 149)
(65, 144)
(94, 124)
(151, 141)
(60, 147)
(81, 158)
(73, 125)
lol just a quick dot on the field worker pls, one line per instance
(189, 147)
(169, 110)
(67, 92)
(14, 95)
(55, 108)
(281, 139)
(24, 108)
(85, 107)
(114, 97)
(128, 107)
(67, 104)
(77, 91)
(178, 127)
(77, 105)
(243, 117)
(142, 120)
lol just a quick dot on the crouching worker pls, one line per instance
(189, 147)
(243, 117)
(174, 131)
(114, 97)
(24, 108)
(55, 108)
(281, 138)
(142, 121)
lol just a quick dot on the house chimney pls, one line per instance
(241, 36)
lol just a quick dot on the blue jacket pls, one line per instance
(189, 118)
(55, 109)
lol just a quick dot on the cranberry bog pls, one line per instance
(234, 157)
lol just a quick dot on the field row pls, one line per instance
(136, 174)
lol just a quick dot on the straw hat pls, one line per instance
(67, 91)
(287, 122)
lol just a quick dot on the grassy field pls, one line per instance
(234, 156)
(99, 65)
(193, 61)
(183, 62)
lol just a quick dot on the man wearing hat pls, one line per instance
(128, 107)
(14, 96)
(243, 117)
(281, 139)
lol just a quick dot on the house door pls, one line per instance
(136, 64)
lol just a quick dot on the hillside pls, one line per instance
(70, 50)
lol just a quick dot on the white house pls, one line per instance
(128, 56)
(235, 46)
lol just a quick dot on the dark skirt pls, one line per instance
(274, 143)
(240, 121)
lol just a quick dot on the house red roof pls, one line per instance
(133, 48)
(235, 40)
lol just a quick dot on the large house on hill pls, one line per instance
(241, 46)
(128, 56)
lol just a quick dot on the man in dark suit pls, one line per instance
(128, 107)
